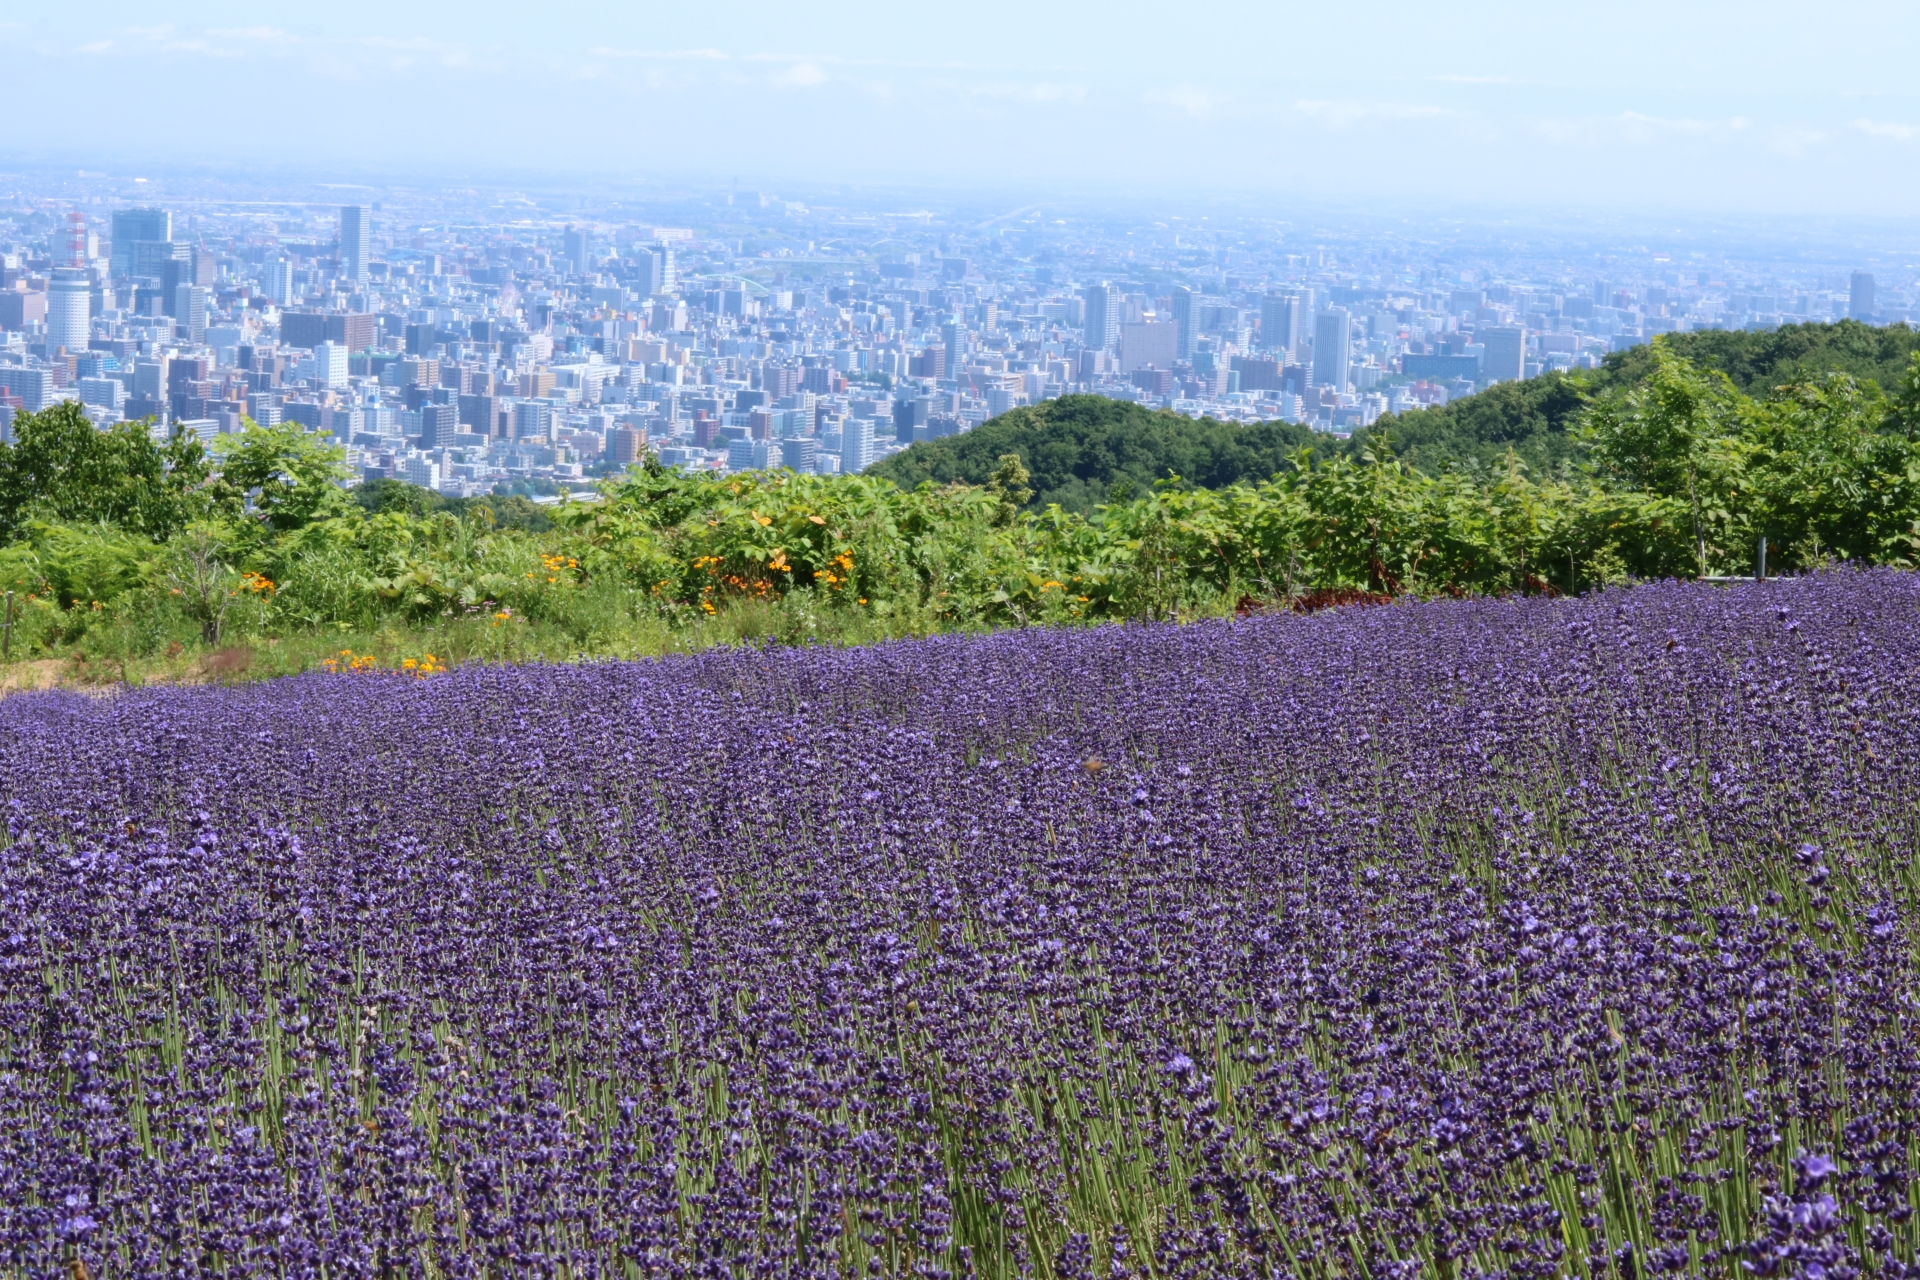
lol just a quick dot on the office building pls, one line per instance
(799, 453)
(626, 445)
(1505, 356)
(1150, 342)
(352, 330)
(1860, 303)
(279, 281)
(356, 242)
(856, 445)
(190, 313)
(1332, 349)
(103, 393)
(438, 422)
(1280, 323)
(1184, 301)
(575, 248)
(532, 420)
(1102, 303)
(663, 255)
(150, 258)
(69, 304)
(330, 364)
(953, 336)
(33, 388)
(132, 226)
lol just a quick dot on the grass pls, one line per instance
(120, 655)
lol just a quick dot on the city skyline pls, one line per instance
(1754, 109)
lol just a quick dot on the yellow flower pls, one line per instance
(409, 664)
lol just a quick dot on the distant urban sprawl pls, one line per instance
(511, 349)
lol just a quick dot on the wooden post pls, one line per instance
(6, 637)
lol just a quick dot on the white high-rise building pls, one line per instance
(1332, 349)
(280, 280)
(856, 445)
(69, 303)
(1102, 303)
(330, 364)
(356, 241)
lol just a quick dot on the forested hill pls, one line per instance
(1081, 451)
(1086, 450)
(1535, 417)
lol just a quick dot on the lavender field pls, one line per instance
(1481, 938)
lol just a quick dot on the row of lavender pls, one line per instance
(1477, 938)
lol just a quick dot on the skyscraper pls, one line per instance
(856, 445)
(1332, 348)
(1103, 316)
(1860, 300)
(574, 246)
(190, 313)
(69, 299)
(280, 280)
(954, 334)
(131, 226)
(1183, 303)
(1280, 323)
(356, 241)
(1505, 357)
(668, 282)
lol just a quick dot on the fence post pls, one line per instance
(1760, 574)
(6, 637)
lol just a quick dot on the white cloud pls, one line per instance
(804, 75)
(1888, 129)
(1344, 112)
(1198, 103)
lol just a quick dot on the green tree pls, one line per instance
(1672, 435)
(1009, 486)
(61, 467)
(284, 477)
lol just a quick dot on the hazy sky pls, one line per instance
(1757, 107)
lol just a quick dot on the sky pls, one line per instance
(1757, 108)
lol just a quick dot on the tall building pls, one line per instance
(668, 281)
(1150, 342)
(69, 303)
(280, 280)
(1332, 348)
(1505, 357)
(575, 248)
(330, 364)
(1183, 305)
(954, 335)
(438, 422)
(190, 312)
(132, 226)
(856, 445)
(1103, 316)
(356, 241)
(1860, 300)
(1280, 323)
